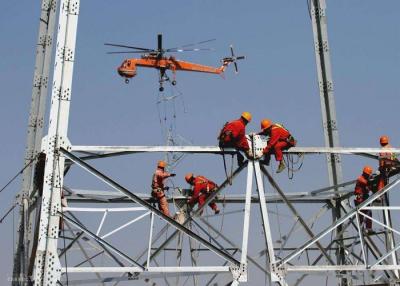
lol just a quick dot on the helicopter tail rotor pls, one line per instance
(233, 59)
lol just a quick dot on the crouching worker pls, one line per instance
(202, 189)
(158, 187)
(233, 135)
(361, 193)
(280, 139)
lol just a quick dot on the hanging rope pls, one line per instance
(19, 173)
(8, 212)
(293, 165)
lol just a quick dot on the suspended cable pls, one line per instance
(19, 173)
(8, 212)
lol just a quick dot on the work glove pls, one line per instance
(172, 175)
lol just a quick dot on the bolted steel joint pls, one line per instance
(68, 54)
(73, 8)
(239, 272)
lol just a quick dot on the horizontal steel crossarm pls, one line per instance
(100, 240)
(298, 197)
(339, 221)
(148, 206)
(323, 268)
(217, 150)
(75, 209)
(167, 269)
(342, 150)
(145, 149)
(379, 208)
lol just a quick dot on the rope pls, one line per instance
(229, 178)
(291, 162)
(8, 212)
(19, 173)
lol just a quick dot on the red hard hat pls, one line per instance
(265, 123)
(188, 177)
(367, 170)
(384, 140)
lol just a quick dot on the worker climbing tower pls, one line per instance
(94, 256)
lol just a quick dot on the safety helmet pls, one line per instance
(384, 140)
(367, 170)
(246, 115)
(188, 177)
(161, 164)
(265, 123)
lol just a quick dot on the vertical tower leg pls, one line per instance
(275, 276)
(240, 274)
(47, 269)
(34, 137)
(331, 134)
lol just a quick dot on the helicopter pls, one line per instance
(157, 58)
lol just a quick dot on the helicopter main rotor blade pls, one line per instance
(194, 44)
(233, 55)
(159, 42)
(174, 50)
(127, 52)
(236, 67)
(240, 58)
(128, 47)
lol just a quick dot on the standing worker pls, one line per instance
(158, 187)
(233, 135)
(361, 192)
(387, 162)
(202, 189)
(280, 139)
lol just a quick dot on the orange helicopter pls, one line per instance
(156, 58)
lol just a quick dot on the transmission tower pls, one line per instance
(50, 230)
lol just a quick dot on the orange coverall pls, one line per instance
(202, 188)
(233, 135)
(280, 139)
(361, 192)
(385, 165)
(158, 188)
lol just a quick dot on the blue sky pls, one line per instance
(277, 80)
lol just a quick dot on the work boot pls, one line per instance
(265, 160)
(281, 167)
(369, 231)
(217, 211)
(240, 159)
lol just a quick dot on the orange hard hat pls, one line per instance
(265, 123)
(247, 115)
(188, 177)
(384, 140)
(161, 164)
(367, 170)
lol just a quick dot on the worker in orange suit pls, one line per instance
(233, 135)
(387, 162)
(280, 139)
(158, 187)
(361, 193)
(202, 189)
